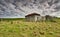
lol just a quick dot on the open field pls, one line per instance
(20, 28)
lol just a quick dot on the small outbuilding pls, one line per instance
(48, 17)
(33, 17)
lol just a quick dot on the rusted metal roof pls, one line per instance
(32, 14)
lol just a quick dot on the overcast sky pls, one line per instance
(20, 8)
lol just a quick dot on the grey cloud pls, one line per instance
(23, 7)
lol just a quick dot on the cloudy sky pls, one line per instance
(20, 8)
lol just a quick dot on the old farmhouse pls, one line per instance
(37, 17)
(33, 17)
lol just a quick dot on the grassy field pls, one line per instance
(20, 28)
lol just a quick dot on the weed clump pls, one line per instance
(42, 33)
(11, 22)
(50, 33)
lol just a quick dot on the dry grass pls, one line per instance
(29, 29)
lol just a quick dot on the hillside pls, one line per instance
(19, 28)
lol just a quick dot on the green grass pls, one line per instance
(19, 28)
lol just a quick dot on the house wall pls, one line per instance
(33, 18)
(30, 18)
(37, 18)
(43, 18)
